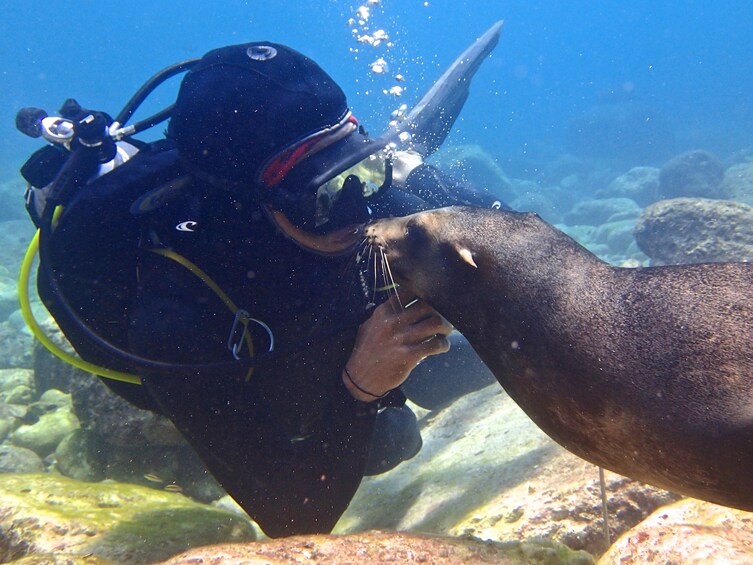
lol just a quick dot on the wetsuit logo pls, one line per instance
(261, 53)
(186, 226)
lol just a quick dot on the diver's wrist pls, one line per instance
(358, 391)
(403, 164)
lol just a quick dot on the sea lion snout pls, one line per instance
(385, 233)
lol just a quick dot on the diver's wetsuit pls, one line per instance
(289, 443)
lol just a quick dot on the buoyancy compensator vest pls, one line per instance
(87, 193)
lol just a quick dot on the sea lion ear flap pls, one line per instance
(466, 255)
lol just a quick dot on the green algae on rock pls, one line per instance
(125, 524)
(377, 547)
(61, 559)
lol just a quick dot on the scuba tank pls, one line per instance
(83, 147)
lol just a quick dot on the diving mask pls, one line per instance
(328, 189)
(327, 218)
(366, 179)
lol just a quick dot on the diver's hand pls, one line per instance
(390, 344)
(403, 163)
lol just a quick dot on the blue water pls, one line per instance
(686, 65)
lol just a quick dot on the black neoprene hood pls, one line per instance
(243, 104)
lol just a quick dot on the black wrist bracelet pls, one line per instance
(350, 378)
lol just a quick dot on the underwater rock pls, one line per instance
(97, 407)
(601, 211)
(12, 378)
(49, 371)
(15, 236)
(60, 559)
(44, 436)
(176, 468)
(78, 456)
(689, 531)
(563, 502)
(12, 415)
(696, 230)
(549, 202)
(582, 233)
(15, 347)
(125, 524)
(692, 174)
(22, 394)
(8, 296)
(19, 460)
(118, 422)
(125, 441)
(474, 164)
(617, 236)
(52, 400)
(738, 183)
(612, 242)
(580, 177)
(640, 184)
(487, 471)
(376, 548)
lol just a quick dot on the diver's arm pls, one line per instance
(436, 188)
(441, 189)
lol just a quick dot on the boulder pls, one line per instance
(689, 531)
(125, 524)
(696, 230)
(377, 548)
(738, 183)
(617, 236)
(12, 378)
(8, 296)
(43, 436)
(19, 460)
(49, 370)
(595, 212)
(15, 347)
(117, 421)
(476, 165)
(485, 470)
(692, 174)
(79, 456)
(640, 184)
(56, 559)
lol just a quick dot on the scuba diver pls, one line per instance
(222, 266)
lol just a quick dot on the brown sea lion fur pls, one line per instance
(647, 372)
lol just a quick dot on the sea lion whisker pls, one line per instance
(358, 254)
(355, 257)
(372, 259)
(391, 282)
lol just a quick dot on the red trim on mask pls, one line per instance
(281, 164)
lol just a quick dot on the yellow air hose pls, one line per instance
(23, 297)
(36, 330)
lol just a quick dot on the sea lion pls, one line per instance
(646, 372)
